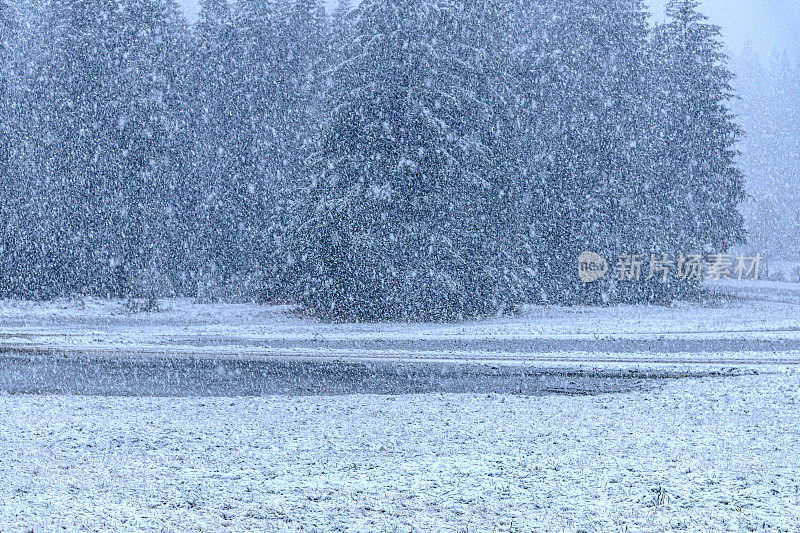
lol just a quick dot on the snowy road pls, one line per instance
(206, 377)
(190, 348)
(738, 344)
(756, 323)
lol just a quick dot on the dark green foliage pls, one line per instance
(414, 211)
(403, 159)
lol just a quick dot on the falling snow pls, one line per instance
(291, 266)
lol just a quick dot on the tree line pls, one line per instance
(403, 159)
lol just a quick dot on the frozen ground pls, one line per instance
(248, 418)
(743, 322)
(710, 454)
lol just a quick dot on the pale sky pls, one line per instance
(762, 25)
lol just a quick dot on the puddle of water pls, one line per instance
(127, 376)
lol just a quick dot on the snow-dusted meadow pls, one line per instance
(739, 322)
(712, 453)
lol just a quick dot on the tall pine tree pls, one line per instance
(696, 186)
(223, 143)
(580, 67)
(412, 207)
(100, 136)
(9, 191)
(7, 27)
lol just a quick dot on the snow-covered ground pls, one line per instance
(715, 453)
(743, 322)
(711, 454)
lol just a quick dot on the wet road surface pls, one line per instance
(187, 376)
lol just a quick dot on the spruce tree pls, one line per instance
(304, 54)
(100, 139)
(269, 105)
(76, 162)
(411, 211)
(223, 142)
(696, 186)
(9, 193)
(152, 58)
(7, 26)
(579, 68)
(340, 30)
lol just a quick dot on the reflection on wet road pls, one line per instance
(184, 376)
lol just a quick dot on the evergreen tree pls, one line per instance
(304, 55)
(223, 144)
(339, 16)
(6, 28)
(100, 136)
(269, 103)
(177, 256)
(695, 186)
(340, 30)
(9, 198)
(580, 70)
(412, 207)
(75, 197)
(151, 55)
(23, 272)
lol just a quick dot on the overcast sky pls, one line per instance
(761, 24)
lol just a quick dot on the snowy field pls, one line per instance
(608, 435)
(712, 454)
(741, 322)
